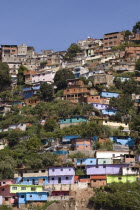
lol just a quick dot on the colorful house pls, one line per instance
(109, 112)
(105, 169)
(7, 198)
(72, 121)
(86, 161)
(40, 180)
(67, 139)
(31, 173)
(97, 181)
(61, 175)
(25, 197)
(101, 161)
(111, 154)
(126, 178)
(7, 182)
(80, 144)
(109, 94)
(123, 140)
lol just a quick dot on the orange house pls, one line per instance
(97, 181)
(81, 144)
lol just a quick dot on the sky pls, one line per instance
(55, 24)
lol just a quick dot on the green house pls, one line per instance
(119, 178)
(16, 188)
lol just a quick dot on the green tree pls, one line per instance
(136, 27)
(72, 51)
(127, 33)
(50, 125)
(46, 91)
(20, 76)
(5, 79)
(33, 144)
(61, 77)
(137, 66)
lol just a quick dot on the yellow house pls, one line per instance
(119, 178)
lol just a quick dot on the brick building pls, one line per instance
(112, 40)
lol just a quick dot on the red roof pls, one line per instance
(98, 177)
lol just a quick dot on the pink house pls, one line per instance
(46, 76)
(7, 198)
(7, 181)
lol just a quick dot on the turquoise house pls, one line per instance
(101, 161)
(65, 122)
(86, 161)
(123, 140)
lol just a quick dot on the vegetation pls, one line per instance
(5, 79)
(45, 92)
(20, 76)
(136, 27)
(72, 51)
(117, 196)
(61, 77)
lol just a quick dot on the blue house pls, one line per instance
(25, 197)
(40, 180)
(73, 120)
(109, 94)
(67, 139)
(86, 161)
(123, 140)
(109, 112)
(29, 92)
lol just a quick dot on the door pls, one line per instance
(33, 181)
(59, 179)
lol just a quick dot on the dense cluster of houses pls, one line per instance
(58, 182)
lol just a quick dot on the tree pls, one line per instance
(20, 76)
(72, 51)
(50, 125)
(5, 79)
(33, 144)
(137, 66)
(127, 33)
(61, 77)
(136, 27)
(46, 91)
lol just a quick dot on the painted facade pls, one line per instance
(109, 95)
(86, 161)
(24, 198)
(105, 169)
(32, 180)
(59, 179)
(123, 140)
(124, 179)
(31, 173)
(101, 161)
(109, 112)
(80, 144)
(61, 171)
(111, 154)
(17, 188)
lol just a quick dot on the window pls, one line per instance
(40, 195)
(23, 188)
(96, 166)
(6, 199)
(22, 196)
(43, 171)
(91, 161)
(104, 166)
(3, 182)
(104, 162)
(52, 178)
(36, 171)
(28, 180)
(30, 196)
(127, 169)
(43, 179)
(67, 178)
(113, 155)
(14, 188)
(61, 169)
(69, 169)
(2, 189)
(94, 180)
(119, 178)
(52, 170)
(33, 189)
